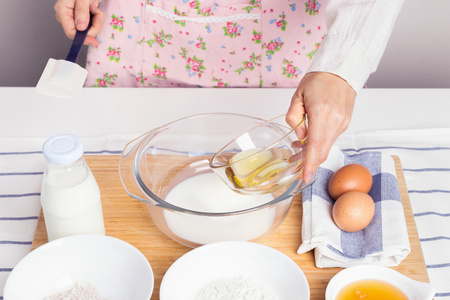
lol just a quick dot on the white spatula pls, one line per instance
(65, 78)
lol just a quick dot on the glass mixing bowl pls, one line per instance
(168, 168)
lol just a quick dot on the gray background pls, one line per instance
(417, 56)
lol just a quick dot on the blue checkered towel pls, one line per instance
(384, 242)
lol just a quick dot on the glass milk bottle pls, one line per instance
(70, 196)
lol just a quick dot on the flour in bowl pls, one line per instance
(78, 292)
(235, 288)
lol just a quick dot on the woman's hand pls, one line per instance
(328, 102)
(74, 15)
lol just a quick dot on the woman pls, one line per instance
(242, 43)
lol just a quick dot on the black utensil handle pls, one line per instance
(78, 42)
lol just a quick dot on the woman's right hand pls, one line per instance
(74, 15)
(328, 101)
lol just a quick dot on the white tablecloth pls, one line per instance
(412, 124)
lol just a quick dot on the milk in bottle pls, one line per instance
(70, 196)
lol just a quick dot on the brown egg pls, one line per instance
(353, 211)
(352, 177)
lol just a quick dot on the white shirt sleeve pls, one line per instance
(358, 32)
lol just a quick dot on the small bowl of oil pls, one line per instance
(263, 159)
(371, 282)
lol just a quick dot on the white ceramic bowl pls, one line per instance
(414, 290)
(211, 263)
(116, 269)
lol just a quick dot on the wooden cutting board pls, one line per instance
(129, 220)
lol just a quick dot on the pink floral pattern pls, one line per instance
(162, 43)
(207, 11)
(232, 30)
(257, 36)
(194, 65)
(114, 54)
(273, 46)
(160, 72)
(219, 83)
(161, 39)
(117, 22)
(140, 78)
(181, 14)
(200, 44)
(106, 80)
(253, 5)
(312, 7)
(289, 70)
(282, 22)
(316, 48)
(250, 64)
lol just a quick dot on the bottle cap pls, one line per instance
(62, 149)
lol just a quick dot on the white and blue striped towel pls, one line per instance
(424, 154)
(384, 241)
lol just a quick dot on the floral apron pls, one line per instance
(208, 43)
